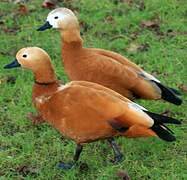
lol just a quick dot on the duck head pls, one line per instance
(60, 18)
(36, 60)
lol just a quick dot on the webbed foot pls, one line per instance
(65, 165)
(75, 159)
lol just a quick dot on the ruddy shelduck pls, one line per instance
(104, 67)
(86, 111)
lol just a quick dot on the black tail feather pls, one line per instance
(160, 129)
(168, 94)
(175, 91)
(168, 128)
(160, 119)
(162, 133)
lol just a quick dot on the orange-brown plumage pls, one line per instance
(104, 67)
(81, 110)
(81, 113)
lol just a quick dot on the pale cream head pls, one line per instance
(33, 58)
(62, 18)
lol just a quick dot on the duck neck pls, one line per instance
(45, 76)
(71, 39)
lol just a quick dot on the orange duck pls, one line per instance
(101, 66)
(86, 111)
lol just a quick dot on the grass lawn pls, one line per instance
(32, 152)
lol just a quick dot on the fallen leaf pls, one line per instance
(24, 170)
(169, 32)
(11, 79)
(150, 23)
(48, 4)
(3, 13)
(20, 168)
(84, 25)
(13, 30)
(159, 33)
(166, 112)
(133, 47)
(2, 21)
(19, 146)
(84, 166)
(7, 100)
(4, 52)
(33, 170)
(1, 123)
(24, 38)
(1, 81)
(102, 33)
(183, 88)
(133, 38)
(116, 2)
(23, 9)
(141, 6)
(123, 1)
(5, 30)
(108, 18)
(123, 175)
(16, 15)
(17, 1)
(75, 11)
(116, 37)
(127, 1)
(144, 47)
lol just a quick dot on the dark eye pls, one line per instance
(24, 56)
(56, 17)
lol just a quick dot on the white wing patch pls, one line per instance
(47, 98)
(62, 87)
(140, 109)
(39, 100)
(136, 106)
(150, 77)
(42, 99)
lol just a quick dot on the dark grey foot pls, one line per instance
(75, 159)
(65, 165)
(118, 154)
(118, 159)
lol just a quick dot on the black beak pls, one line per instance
(45, 26)
(12, 64)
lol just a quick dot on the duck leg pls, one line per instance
(75, 159)
(118, 154)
